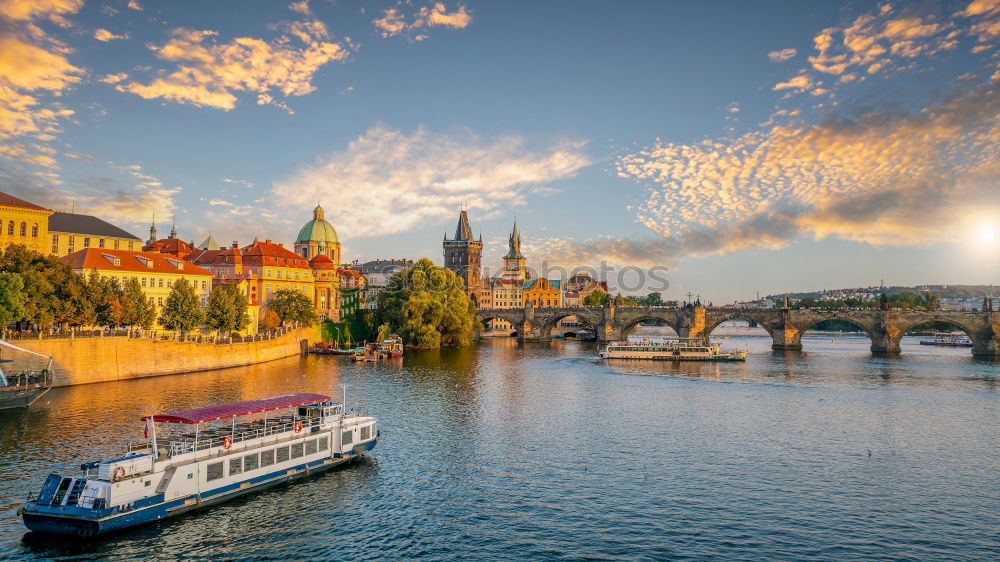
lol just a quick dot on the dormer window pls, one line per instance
(114, 260)
(145, 261)
(178, 264)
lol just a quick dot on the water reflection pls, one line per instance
(509, 450)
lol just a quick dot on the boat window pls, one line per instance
(348, 437)
(296, 450)
(251, 462)
(311, 447)
(214, 471)
(267, 457)
(281, 454)
(324, 442)
(366, 432)
(235, 466)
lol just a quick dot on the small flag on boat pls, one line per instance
(145, 430)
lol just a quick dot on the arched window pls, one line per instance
(24, 229)
(10, 228)
(34, 231)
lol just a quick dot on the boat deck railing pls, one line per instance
(214, 438)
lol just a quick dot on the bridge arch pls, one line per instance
(628, 325)
(809, 323)
(761, 321)
(547, 322)
(981, 339)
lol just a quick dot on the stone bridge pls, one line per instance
(885, 328)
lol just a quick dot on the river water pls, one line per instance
(509, 451)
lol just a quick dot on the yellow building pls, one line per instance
(542, 293)
(70, 232)
(156, 273)
(23, 223)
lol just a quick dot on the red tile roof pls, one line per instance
(174, 246)
(269, 253)
(104, 259)
(11, 201)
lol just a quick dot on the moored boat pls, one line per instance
(234, 449)
(20, 387)
(681, 349)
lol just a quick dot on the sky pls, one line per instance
(739, 147)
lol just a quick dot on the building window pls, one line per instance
(213, 471)
(55, 249)
(72, 240)
(86, 242)
(10, 228)
(55, 239)
(159, 301)
(100, 242)
(130, 245)
(143, 281)
(24, 229)
(71, 250)
(161, 283)
(116, 244)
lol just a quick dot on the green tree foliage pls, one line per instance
(292, 306)
(137, 310)
(597, 298)
(428, 307)
(12, 298)
(182, 311)
(53, 293)
(908, 300)
(227, 309)
(106, 296)
(268, 320)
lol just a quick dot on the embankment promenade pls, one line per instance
(90, 360)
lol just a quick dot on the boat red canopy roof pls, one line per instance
(222, 411)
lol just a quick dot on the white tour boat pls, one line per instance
(949, 339)
(682, 349)
(201, 457)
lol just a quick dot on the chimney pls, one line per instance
(267, 241)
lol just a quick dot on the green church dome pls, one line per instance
(318, 230)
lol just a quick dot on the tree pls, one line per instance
(53, 293)
(268, 320)
(292, 306)
(182, 311)
(138, 311)
(652, 299)
(227, 309)
(597, 298)
(428, 307)
(106, 296)
(12, 298)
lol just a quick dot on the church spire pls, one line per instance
(152, 229)
(514, 243)
(463, 232)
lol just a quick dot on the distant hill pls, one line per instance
(944, 291)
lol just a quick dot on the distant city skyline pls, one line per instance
(749, 147)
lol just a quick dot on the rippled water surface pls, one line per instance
(542, 451)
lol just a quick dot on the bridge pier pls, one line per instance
(786, 336)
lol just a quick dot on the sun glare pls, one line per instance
(987, 236)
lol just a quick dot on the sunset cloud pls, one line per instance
(34, 71)
(394, 21)
(395, 182)
(880, 179)
(105, 35)
(210, 73)
(782, 55)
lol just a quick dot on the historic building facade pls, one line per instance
(156, 273)
(70, 232)
(463, 254)
(170, 245)
(23, 223)
(376, 274)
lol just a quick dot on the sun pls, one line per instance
(987, 236)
